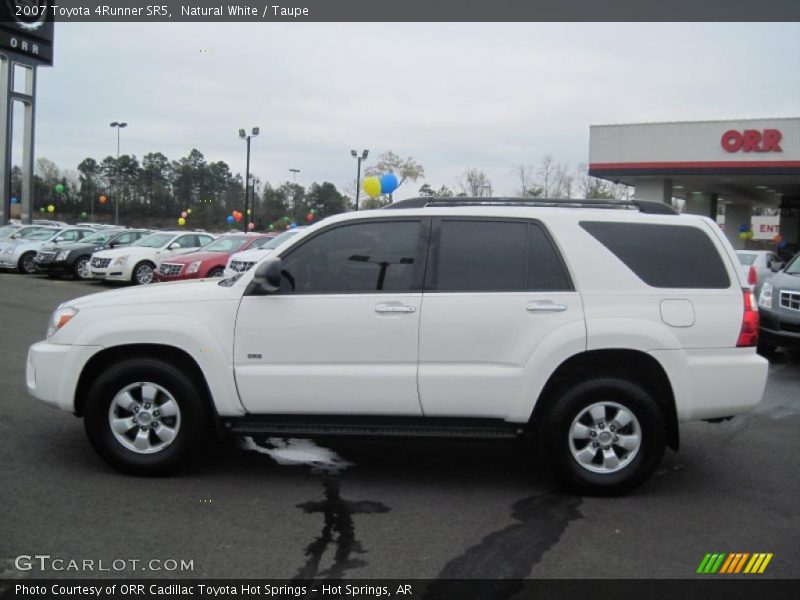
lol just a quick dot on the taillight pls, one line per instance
(748, 336)
(752, 276)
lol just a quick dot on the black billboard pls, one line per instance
(26, 28)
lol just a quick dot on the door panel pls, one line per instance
(341, 335)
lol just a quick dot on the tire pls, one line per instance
(81, 269)
(216, 272)
(26, 265)
(589, 469)
(143, 273)
(150, 384)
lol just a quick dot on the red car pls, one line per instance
(209, 261)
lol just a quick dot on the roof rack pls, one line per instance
(644, 206)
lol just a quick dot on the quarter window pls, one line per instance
(363, 257)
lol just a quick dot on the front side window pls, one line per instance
(495, 256)
(156, 240)
(226, 244)
(362, 257)
(187, 241)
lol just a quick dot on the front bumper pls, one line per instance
(779, 328)
(8, 261)
(110, 274)
(53, 267)
(52, 372)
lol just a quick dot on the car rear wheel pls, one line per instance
(603, 435)
(26, 264)
(81, 268)
(145, 417)
(143, 273)
(217, 272)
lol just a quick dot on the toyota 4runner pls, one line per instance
(592, 328)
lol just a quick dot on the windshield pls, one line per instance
(794, 266)
(101, 237)
(154, 241)
(277, 240)
(225, 244)
(746, 259)
(7, 230)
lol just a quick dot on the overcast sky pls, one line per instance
(450, 95)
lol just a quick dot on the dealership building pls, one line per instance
(738, 164)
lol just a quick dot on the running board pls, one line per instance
(391, 427)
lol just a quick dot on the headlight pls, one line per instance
(121, 260)
(62, 255)
(194, 267)
(765, 297)
(61, 316)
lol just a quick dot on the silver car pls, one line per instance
(757, 266)
(18, 254)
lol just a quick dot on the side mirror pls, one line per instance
(776, 266)
(268, 275)
(112, 244)
(173, 246)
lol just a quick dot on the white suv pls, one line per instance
(596, 328)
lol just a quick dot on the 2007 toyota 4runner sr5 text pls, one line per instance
(595, 328)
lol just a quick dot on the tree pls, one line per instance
(406, 169)
(325, 199)
(592, 187)
(474, 182)
(526, 176)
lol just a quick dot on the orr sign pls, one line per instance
(752, 140)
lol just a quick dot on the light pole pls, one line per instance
(294, 173)
(244, 136)
(359, 158)
(118, 125)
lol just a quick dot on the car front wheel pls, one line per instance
(143, 273)
(145, 417)
(26, 264)
(603, 435)
(81, 268)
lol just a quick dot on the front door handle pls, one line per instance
(395, 308)
(545, 306)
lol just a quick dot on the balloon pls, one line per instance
(184, 214)
(372, 186)
(188, 211)
(310, 217)
(777, 239)
(181, 221)
(238, 217)
(783, 244)
(83, 215)
(51, 208)
(251, 226)
(288, 227)
(249, 211)
(272, 227)
(293, 225)
(313, 211)
(59, 188)
(389, 183)
(743, 235)
(41, 209)
(743, 227)
(14, 200)
(103, 199)
(229, 219)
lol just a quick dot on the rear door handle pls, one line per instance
(545, 306)
(395, 308)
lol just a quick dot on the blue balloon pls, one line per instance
(783, 244)
(293, 225)
(14, 200)
(230, 219)
(743, 227)
(389, 183)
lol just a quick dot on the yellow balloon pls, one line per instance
(51, 208)
(181, 221)
(188, 211)
(372, 186)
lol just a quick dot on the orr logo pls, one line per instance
(752, 140)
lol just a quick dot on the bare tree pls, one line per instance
(526, 175)
(474, 182)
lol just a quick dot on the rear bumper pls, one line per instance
(714, 383)
(52, 372)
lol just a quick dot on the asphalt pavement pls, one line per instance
(385, 508)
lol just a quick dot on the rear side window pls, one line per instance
(664, 256)
(495, 256)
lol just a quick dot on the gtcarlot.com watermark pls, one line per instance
(46, 562)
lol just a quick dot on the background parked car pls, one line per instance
(757, 266)
(20, 231)
(243, 261)
(137, 263)
(19, 254)
(779, 307)
(209, 261)
(73, 259)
